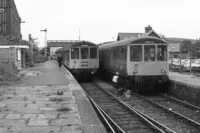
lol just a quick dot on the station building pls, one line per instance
(11, 44)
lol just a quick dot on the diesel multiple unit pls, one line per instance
(81, 58)
(142, 62)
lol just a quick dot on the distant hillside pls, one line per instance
(172, 40)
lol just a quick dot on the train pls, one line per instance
(141, 62)
(81, 58)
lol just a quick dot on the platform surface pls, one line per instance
(185, 78)
(48, 100)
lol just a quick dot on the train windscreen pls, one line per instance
(136, 53)
(93, 53)
(149, 53)
(84, 53)
(75, 53)
(162, 52)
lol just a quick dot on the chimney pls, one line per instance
(147, 29)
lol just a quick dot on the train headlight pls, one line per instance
(163, 71)
(135, 71)
(82, 63)
(86, 63)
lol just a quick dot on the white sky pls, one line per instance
(101, 20)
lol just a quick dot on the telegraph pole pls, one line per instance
(79, 35)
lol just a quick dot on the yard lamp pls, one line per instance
(45, 30)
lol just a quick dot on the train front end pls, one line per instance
(84, 61)
(148, 65)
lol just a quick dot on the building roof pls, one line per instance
(138, 40)
(124, 36)
(15, 46)
(173, 40)
(174, 47)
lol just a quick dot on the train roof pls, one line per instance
(137, 40)
(76, 44)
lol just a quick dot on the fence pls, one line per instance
(186, 65)
(38, 58)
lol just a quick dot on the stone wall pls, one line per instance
(9, 55)
(183, 91)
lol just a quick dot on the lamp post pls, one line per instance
(45, 52)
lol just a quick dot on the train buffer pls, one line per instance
(48, 99)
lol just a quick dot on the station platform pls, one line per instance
(185, 78)
(48, 100)
(185, 87)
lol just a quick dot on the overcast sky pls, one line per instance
(101, 20)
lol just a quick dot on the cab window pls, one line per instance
(93, 53)
(75, 53)
(149, 53)
(162, 52)
(136, 53)
(84, 53)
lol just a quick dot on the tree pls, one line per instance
(186, 45)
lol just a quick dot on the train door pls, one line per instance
(84, 57)
(94, 58)
(75, 57)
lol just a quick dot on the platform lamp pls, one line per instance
(45, 45)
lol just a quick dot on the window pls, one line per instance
(93, 53)
(136, 53)
(0, 3)
(84, 53)
(149, 52)
(4, 3)
(161, 52)
(0, 18)
(75, 53)
(4, 28)
(4, 17)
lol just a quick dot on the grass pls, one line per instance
(64, 109)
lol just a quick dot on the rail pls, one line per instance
(111, 103)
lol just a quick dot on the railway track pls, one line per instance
(190, 112)
(163, 114)
(126, 119)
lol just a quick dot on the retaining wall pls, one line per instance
(186, 92)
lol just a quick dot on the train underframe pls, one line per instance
(83, 74)
(142, 84)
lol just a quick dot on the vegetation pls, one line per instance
(8, 73)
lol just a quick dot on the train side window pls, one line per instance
(149, 53)
(93, 53)
(75, 53)
(136, 53)
(84, 53)
(162, 52)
